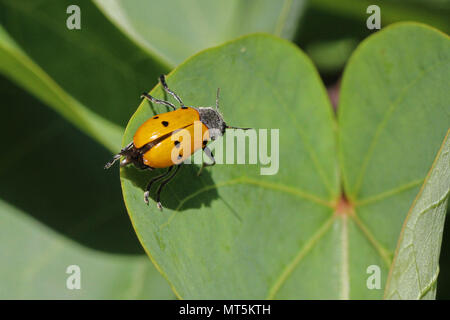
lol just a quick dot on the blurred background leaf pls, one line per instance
(176, 29)
(18, 66)
(97, 66)
(35, 260)
(57, 210)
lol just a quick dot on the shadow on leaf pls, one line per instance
(179, 193)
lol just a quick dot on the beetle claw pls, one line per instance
(158, 204)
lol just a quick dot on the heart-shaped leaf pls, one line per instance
(393, 116)
(233, 233)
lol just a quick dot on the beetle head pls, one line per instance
(213, 120)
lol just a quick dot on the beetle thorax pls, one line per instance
(213, 120)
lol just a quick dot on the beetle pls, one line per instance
(154, 141)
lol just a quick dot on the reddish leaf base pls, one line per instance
(343, 206)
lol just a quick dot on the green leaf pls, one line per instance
(58, 208)
(415, 268)
(93, 76)
(199, 24)
(233, 233)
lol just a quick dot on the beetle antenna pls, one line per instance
(217, 99)
(229, 127)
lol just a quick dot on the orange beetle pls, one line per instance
(157, 143)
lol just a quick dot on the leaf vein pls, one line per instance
(299, 257)
(384, 253)
(389, 193)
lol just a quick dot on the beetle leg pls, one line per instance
(210, 156)
(154, 100)
(114, 159)
(162, 78)
(154, 179)
(161, 186)
(117, 156)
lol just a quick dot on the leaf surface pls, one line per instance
(415, 269)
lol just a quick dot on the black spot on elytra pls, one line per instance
(165, 123)
(155, 117)
(184, 107)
